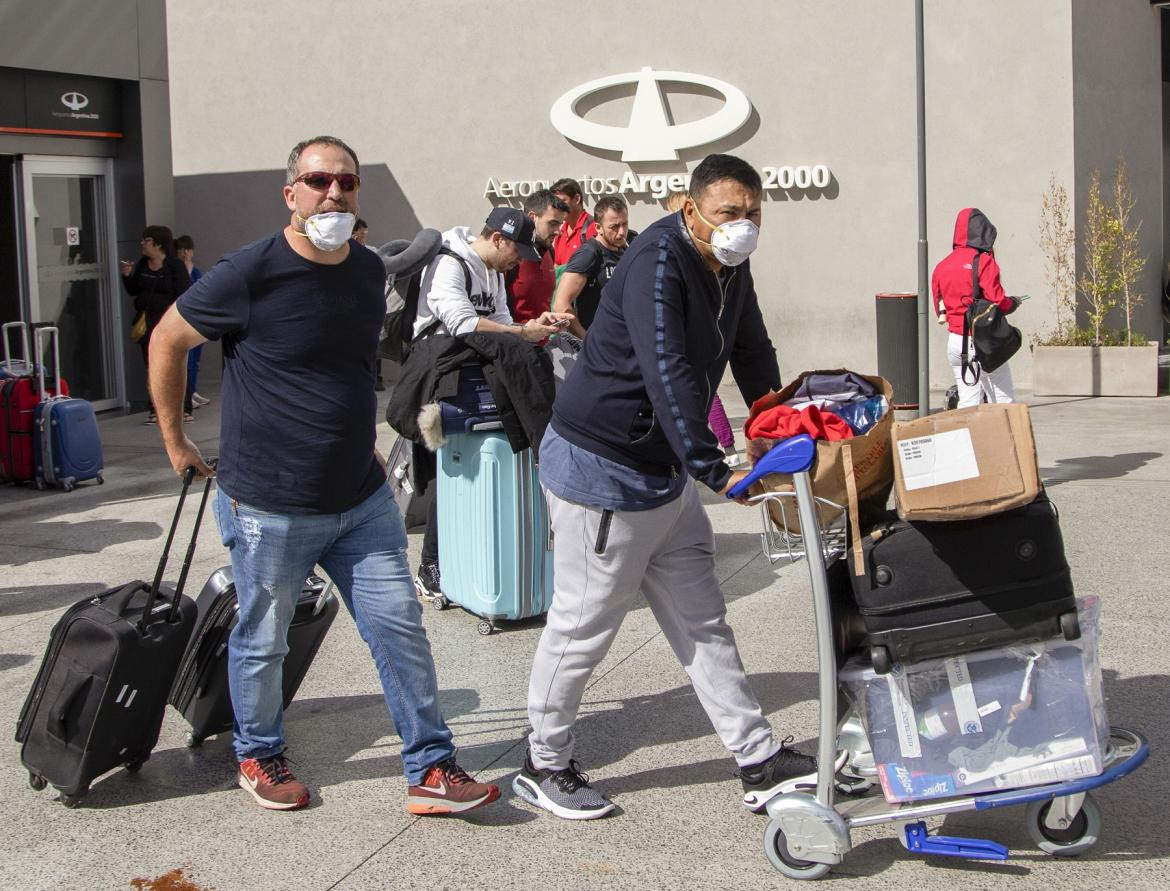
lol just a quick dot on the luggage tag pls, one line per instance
(963, 695)
(1024, 700)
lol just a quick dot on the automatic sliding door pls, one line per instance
(68, 225)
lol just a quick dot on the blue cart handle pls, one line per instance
(791, 455)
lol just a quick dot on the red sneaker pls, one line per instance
(448, 789)
(272, 783)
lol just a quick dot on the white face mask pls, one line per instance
(328, 231)
(731, 243)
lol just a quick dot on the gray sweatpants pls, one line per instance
(668, 553)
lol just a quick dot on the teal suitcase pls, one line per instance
(495, 548)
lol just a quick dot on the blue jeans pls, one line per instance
(363, 551)
(193, 356)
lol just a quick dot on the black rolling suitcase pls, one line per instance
(99, 697)
(200, 692)
(400, 473)
(942, 588)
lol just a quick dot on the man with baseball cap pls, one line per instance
(463, 291)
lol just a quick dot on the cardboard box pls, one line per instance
(967, 463)
(997, 719)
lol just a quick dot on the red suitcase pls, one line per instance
(18, 408)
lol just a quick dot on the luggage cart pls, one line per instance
(808, 833)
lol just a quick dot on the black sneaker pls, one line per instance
(785, 771)
(566, 793)
(426, 582)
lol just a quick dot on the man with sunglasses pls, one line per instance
(300, 483)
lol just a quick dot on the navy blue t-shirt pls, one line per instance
(299, 343)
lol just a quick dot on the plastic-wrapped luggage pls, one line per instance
(996, 719)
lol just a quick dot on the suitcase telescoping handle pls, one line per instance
(156, 585)
(24, 364)
(51, 332)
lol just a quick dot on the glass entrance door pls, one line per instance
(68, 211)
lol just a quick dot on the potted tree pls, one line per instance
(1082, 355)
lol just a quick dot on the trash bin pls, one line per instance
(897, 345)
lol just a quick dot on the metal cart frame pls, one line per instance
(808, 833)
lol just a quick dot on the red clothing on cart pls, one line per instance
(950, 285)
(783, 421)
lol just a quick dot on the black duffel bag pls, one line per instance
(986, 327)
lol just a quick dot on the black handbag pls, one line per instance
(986, 327)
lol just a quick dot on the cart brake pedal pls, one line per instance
(920, 842)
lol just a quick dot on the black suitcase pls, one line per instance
(944, 588)
(200, 691)
(400, 473)
(99, 697)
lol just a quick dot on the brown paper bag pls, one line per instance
(873, 467)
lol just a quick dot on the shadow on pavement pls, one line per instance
(1095, 467)
(613, 728)
(85, 536)
(332, 740)
(13, 660)
(41, 598)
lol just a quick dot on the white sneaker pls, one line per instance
(199, 401)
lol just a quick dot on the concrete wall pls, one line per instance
(438, 97)
(1117, 75)
(125, 40)
(122, 39)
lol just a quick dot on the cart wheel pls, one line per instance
(70, 801)
(880, 657)
(41, 484)
(135, 766)
(776, 848)
(36, 781)
(68, 486)
(1080, 835)
(193, 741)
(101, 480)
(440, 603)
(1070, 626)
(485, 627)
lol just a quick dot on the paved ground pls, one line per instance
(643, 737)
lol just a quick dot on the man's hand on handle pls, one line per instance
(732, 482)
(184, 454)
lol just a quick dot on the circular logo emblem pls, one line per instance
(74, 101)
(650, 136)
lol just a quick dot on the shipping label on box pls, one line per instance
(935, 460)
(965, 463)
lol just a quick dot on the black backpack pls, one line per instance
(986, 326)
(405, 262)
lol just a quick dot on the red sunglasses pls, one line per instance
(320, 181)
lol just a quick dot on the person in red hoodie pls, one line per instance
(951, 288)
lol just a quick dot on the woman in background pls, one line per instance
(155, 280)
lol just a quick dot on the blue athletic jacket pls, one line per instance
(664, 332)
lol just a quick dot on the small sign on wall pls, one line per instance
(72, 236)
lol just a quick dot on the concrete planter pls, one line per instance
(1095, 371)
